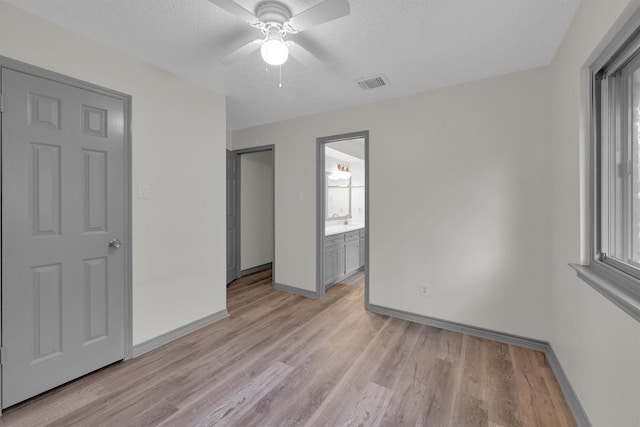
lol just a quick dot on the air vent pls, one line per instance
(373, 82)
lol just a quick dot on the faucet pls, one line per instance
(335, 215)
(346, 219)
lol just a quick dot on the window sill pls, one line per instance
(619, 288)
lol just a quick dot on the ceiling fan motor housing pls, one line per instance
(273, 13)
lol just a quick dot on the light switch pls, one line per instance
(300, 195)
(144, 191)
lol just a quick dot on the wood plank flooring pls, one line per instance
(285, 360)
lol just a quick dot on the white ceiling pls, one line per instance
(349, 149)
(418, 44)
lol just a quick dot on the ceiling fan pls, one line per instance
(275, 21)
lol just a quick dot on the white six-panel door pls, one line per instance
(63, 202)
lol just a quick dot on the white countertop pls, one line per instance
(331, 230)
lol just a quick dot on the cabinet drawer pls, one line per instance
(352, 235)
(334, 240)
(362, 234)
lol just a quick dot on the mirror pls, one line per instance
(338, 197)
(344, 181)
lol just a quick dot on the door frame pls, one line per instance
(21, 67)
(236, 207)
(239, 153)
(320, 208)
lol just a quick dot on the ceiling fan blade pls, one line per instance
(242, 51)
(237, 10)
(304, 57)
(323, 12)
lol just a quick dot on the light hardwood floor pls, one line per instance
(284, 360)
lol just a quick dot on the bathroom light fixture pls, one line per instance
(343, 167)
(273, 50)
(342, 172)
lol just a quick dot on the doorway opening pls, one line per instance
(250, 211)
(342, 218)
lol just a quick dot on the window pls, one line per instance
(618, 140)
(614, 269)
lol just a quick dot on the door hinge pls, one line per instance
(1, 103)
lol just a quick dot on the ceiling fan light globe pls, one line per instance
(274, 52)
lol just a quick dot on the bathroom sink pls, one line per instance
(341, 228)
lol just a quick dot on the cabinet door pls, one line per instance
(339, 262)
(352, 256)
(328, 269)
(333, 268)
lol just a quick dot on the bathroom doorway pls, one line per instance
(342, 209)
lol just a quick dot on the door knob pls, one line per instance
(114, 243)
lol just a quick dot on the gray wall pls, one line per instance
(597, 343)
(459, 196)
(178, 141)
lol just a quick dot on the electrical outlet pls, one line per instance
(424, 290)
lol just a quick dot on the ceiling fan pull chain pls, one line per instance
(280, 85)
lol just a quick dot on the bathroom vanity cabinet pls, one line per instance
(343, 255)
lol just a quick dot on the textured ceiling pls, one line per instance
(418, 44)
